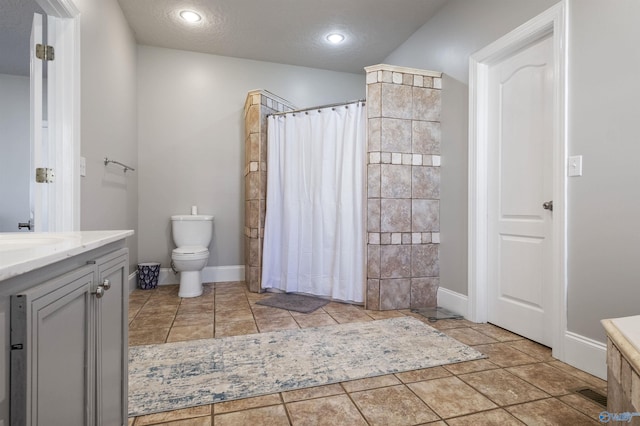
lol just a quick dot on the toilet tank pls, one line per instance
(192, 230)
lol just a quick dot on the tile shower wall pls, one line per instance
(258, 105)
(403, 187)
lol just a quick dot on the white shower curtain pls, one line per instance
(314, 237)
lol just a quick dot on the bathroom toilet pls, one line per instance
(192, 235)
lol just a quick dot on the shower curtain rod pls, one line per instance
(318, 107)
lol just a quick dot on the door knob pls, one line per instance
(106, 284)
(548, 205)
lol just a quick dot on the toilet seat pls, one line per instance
(190, 253)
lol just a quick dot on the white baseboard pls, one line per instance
(210, 274)
(133, 281)
(586, 354)
(452, 301)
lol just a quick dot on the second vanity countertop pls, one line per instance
(22, 252)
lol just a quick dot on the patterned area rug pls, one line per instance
(294, 302)
(184, 374)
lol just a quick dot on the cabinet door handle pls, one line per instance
(106, 284)
(99, 292)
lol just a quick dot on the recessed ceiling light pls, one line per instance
(335, 38)
(190, 16)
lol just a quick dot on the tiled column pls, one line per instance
(258, 105)
(403, 188)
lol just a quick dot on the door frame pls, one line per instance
(63, 32)
(550, 23)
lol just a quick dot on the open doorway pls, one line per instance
(43, 133)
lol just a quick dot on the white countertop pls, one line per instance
(630, 328)
(22, 252)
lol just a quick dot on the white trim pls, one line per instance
(63, 26)
(133, 281)
(210, 274)
(586, 354)
(453, 301)
(552, 21)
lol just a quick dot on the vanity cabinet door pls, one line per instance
(112, 345)
(52, 352)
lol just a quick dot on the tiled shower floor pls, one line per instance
(519, 383)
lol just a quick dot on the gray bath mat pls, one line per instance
(294, 302)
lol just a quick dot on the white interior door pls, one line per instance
(520, 160)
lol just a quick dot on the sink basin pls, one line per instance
(28, 241)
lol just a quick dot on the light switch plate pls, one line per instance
(83, 166)
(575, 165)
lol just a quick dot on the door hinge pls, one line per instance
(45, 52)
(44, 175)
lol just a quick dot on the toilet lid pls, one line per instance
(190, 250)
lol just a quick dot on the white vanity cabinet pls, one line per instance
(65, 340)
(68, 353)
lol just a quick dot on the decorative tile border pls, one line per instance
(399, 238)
(378, 157)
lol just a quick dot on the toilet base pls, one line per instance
(190, 284)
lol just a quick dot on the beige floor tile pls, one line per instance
(536, 350)
(502, 387)
(317, 320)
(370, 383)
(314, 392)
(594, 381)
(190, 332)
(333, 307)
(584, 405)
(423, 374)
(394, 405)
(149, 321)
(246, 403)
(182, 320)
(130, 421)
(276, 323)
(263, 416)
(155, 310)
(200, 308)
(328, 411)
(549, 412)
(486, 418)
(447, 324)
(348, 317)
(235, 315)
(163, 300)
(232, 309)
(450, 397)
(235, 328)
(148, 337)
(378, 315)
(469, 336)
(196, 421)
(470, 366)
(504, 355)
(232, 305)
(168, 416)
(549, 379)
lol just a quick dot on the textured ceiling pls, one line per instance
(15, 31)
(283, 31)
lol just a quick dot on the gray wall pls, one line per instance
(109, 198)
(444, 43)
(191, 138)
(604, 127)
(15, 151)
